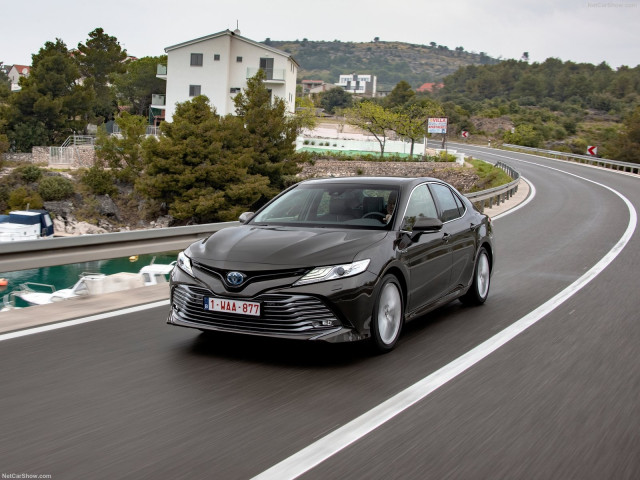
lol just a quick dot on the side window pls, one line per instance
(196, 59)
(420, 205)
(447, 201)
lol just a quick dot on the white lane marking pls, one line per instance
(530, 197)
(319, 451)
(78, 321)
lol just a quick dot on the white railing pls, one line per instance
(77, 140)
(151, 130)
(273, 74)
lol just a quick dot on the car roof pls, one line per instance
(396, 181)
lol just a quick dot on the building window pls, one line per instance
(266, 64)
(196, 59)
(216, 57)
(235, 90)
(239, 59)
(194, 90)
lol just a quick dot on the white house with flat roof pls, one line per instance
(359, 84)
(218, 66)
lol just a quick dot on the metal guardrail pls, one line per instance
(60, 251)
(600, 162)
(496, 195)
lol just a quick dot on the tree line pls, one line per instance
(591, 86)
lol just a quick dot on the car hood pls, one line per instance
(280, 247)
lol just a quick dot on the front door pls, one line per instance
(429, 258)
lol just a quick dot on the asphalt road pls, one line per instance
(131, 397)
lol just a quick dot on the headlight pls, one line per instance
(184, 263)
(333, 272)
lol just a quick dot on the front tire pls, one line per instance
(388, 315)
(479, 290)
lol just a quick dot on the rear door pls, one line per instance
(459, 234)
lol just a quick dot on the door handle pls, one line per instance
(445, 237)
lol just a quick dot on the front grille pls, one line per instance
(251, 276)
(280, 314)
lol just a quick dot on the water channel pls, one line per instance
(65, 276)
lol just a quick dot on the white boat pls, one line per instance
(95, 284)
(22, 225)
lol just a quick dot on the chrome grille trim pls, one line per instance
(281, 314)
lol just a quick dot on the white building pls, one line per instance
(218, 66)
(15, 73)
(359, 84)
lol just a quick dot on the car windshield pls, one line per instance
(332, 205)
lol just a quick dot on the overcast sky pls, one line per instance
(580, 31)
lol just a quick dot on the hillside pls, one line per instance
(391, 62)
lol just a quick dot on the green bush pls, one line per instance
(445, 157)
(29, 173)
(23, 198)
(525, 135)
(55, 188)
(99, 181)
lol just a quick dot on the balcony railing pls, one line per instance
(161, 69)
(158, 100)
(273, 74)
(151, 130)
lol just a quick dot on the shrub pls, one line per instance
(55, 188)
(99, 181)
(445, 157)
(29, 173)
(23, 197)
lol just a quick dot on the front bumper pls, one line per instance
(335, 311)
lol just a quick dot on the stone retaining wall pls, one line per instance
(463, 178)
(80, 157)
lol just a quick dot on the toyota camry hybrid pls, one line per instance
(337, 259)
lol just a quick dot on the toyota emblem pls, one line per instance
(235, 278)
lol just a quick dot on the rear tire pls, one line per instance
(388, 315)
(479, 290)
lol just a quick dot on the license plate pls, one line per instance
(227, 305)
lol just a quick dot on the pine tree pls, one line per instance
(52, 103)
(270, 132)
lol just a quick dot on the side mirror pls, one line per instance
(421, 225)
(424, 224)
(245, 217)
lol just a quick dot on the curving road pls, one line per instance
(543, 381)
